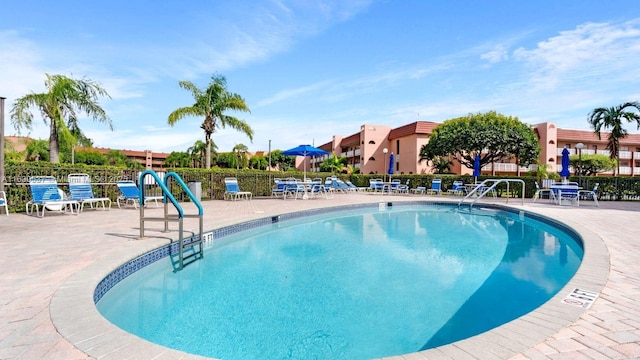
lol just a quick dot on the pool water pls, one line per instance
(349, 285)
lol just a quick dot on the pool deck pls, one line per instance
(51, 265)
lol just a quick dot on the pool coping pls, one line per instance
(76, 317)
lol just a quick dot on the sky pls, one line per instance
(309, 70)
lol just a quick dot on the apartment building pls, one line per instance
(370, 148)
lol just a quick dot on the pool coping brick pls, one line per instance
(52, 266)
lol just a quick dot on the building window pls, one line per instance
(397, 146)
(372, 159)
(372, 142)
(551, 160)
(551, 142)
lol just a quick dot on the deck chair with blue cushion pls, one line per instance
(3, 202)
(457, 188)
(566, 191)
(46, 195)
(130, 195)
(540, 193)
(436, 187)
(233, 191)
(376, 185)
(589, 195)
(80, 189)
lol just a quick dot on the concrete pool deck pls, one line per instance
(50, 267)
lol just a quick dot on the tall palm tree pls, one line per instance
(612, 118)
(198, 152)
(211, 103)
(59, 106)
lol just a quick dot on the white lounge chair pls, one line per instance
(3, 202)
(233, 191)
(45, 194)
(436, 187)
(130, 194)
(589, 195)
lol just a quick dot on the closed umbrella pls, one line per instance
(476, 168)
(390, 170)
(564, 172)
(304, 150)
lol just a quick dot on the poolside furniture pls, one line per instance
(457, 188)
(3, 202)
(403, 188)
(393, 185)
(542, 192)
(294, 187)
(436, 187)
(233, 191)
(81, 191)
(589, 195)
(376, 185)
(566, 191)
(419, 190)
(45, 194)
(278, 188)
(352, 187)
(317, 188)
(130, 195)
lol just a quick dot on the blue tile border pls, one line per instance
(131, 266)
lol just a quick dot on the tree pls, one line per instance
(227, 160)
(59, 106)
(441, 165)
(282, 162)
(591, 165)
(90, 157)
(491, 135)
(178, 159)
(241, 153)
(211, 103)
(259, 162)
(119, 158)
(198, 152)
(611, 118)
(37, 150)
(334, 164)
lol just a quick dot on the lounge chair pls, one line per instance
(3, 202)
(457, 188)
(317, 188)
(589, 195)
(419, 190)
(81, 191)
(45, 194)
(542, 192)
(376, 184)
(294, 187)
(436, 187)
(351, 186)
(130, 194)
(566, 191)
(233, 191)
(278, 188)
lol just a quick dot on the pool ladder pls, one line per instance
(195, 241)
(484, 188)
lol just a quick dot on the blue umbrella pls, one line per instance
(304, 150)
(565, 163)
(390, 170)
(476, 167)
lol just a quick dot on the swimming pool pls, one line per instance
(483, 279)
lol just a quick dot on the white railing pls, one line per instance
(636, 171)
(624, 154)
(625, 170)
(357, 152)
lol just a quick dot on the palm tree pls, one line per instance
(612, 118)
(211, 103)
(198, 152)
(64, 97)
(241, 152)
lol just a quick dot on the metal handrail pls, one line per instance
(179, 217)
(487, 189)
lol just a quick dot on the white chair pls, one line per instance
(81, 191)
(589, 195)
(542, 192)
(3, 202)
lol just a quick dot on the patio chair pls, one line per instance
(278, 188)
(403, 188)
(130, 195)
(590, 195)
(457, 188)
(233, 191)
(3, 202)
(294, 187)
(80, 190)
(419, 190)
(542, 192)
(566, 191)
(376, 185)
(436, 187)
(45, 194)
(352, 187)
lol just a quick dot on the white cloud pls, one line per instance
(498, 54)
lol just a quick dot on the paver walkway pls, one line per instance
(42, 256)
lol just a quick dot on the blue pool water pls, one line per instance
(349, 285)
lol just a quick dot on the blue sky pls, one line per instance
(312, 69)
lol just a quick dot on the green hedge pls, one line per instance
(260, 182)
